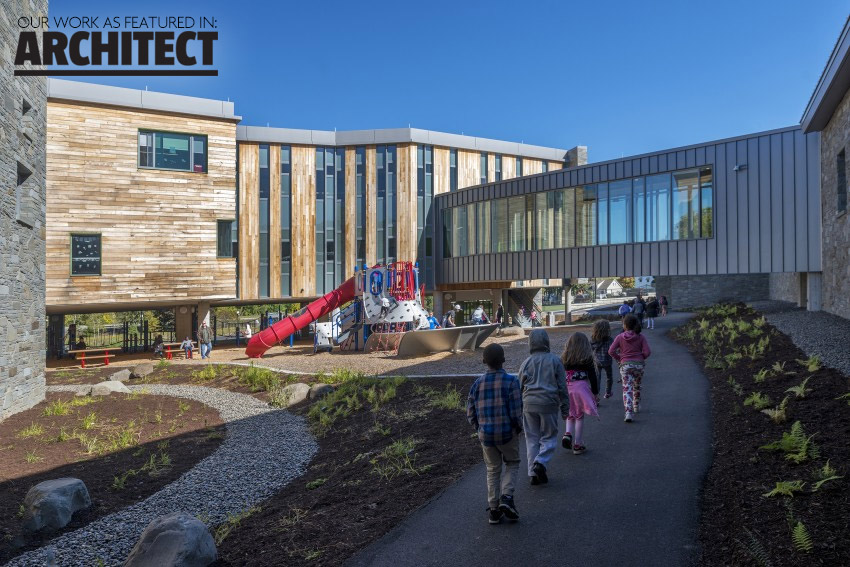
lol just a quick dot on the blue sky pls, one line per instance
(620, 77)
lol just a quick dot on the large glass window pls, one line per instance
(545, 210)
(224, 239)
(658, 207)
(602, 216)
(169, 150)
(586, 213)
(706, 203)
(285, 221)
(360, 195)
(448, 226)
(85, 254)
(620, 211)
(265, 220)
(500, 225)
(386, 207)
(639, 209)
(516, 216)
(483, 168)
(565, 213)
(471, 225)
(424, 215)
(685, 205)
(482, 225)
(460, 234)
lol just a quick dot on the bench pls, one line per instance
(168, 346)
(84, 355)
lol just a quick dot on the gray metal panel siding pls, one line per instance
(813, 165)
(753, 207)
(764, 204)
(776, 202)
(789, 237)
(801, 209)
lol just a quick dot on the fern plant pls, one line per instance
(760, 322)
(827, 473)
(763, 343)
(812, 364)
(801, 538)
(758, 400)
(786, 488)
(761, 375)
(736, 387)
(755, 549)
(800, 390)
(795, 444)
(779, 368)
(778, 414)
(845, 397)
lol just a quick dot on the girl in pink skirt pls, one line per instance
(582, 386)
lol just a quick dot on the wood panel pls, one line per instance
(158, 227)
(468, 168)
(371, 203)
(442, 170)
(350, 210)
(531, 166)
(303, 221)
(274, 220)
(249, 221)
(406, 217)
(508, 167)
(491, 167)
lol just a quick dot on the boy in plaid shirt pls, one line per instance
(494, 408)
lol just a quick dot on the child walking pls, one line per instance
(600, 342)
(630, 349)
(544, 395)
(582, 385)
(494, 408)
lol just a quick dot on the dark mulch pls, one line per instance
(176, 433)
(738, 523)
(352, 506)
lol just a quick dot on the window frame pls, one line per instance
(231, 221)
(191, 151)
(71, 255)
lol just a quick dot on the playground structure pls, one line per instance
(357, 322)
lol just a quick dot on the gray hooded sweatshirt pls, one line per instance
(543, 379)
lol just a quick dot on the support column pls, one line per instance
(438, 305)
(203, 313)
(183, 322)
(814, 291)
(568, 303)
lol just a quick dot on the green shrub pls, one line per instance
(795, 444)
(758, 400)
(450, 398)
(259, 379)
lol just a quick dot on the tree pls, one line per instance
(627, 283)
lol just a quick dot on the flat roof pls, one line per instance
(265, 134)
(60, 89)
(833, 84)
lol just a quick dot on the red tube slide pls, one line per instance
(281, 330)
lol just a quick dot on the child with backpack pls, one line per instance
(600, 342)
(630, 349)
(494, 408)
(582, 385)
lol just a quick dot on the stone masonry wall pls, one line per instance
(22, 213)
(785, 287)
(836, 226)
(688, 292)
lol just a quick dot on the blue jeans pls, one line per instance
(206, 349)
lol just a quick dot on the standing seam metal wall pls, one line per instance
(766, 216)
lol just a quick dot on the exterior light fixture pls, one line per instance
(740, 167)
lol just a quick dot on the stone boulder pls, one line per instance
(175, 540)
(294, 394)
(108, 387)
(84, 391)
(121, 376)
(320, 390)
(50, 504)
(141, 370)
(511, 332)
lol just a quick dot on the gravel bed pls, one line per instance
(815, 333)
(265, 448)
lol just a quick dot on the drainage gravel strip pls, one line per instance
(816, 333)
(265, 449)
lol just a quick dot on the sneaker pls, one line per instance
(494, 515)
(608, 395)
(629, 417)
(540, 472)
(579, 449)
(567, 441)
(507, 507)
(534, 480)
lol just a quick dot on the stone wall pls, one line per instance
(688, 292)
(785, 287)
(22, 213)
(836, 225)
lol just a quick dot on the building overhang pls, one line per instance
(833, 84)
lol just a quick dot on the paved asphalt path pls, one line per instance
(631, 500)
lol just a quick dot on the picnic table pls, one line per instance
(84, 353)
(167, 346)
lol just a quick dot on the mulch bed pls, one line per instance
(124, 434)
(342, 504)
(739, 524)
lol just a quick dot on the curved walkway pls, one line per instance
(265, 449)
(631, 500)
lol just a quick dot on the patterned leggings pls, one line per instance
(632, 373)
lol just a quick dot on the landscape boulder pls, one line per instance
(83, 391)
(511, 331)
(320, 390)
(121, 375)
(175, 540)
(294, 394)
(141, 370)
(108, 387)
(50, 504)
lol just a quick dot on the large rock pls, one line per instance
(294, 394)
(50, 504)
(84, 391)
(141, 370)
(108, 387)
(511, 332)
(320, 390)
(121, 375)
(175, 540)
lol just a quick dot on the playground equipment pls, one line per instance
(358, 320)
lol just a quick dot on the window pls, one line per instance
(448, 244)
(265, 220)
(424, 215)
(360, 207)
(385, 163)
(452, 169)
(620, 211)
(285, 221)
(499, 222)
(602, 216)
(85, 254)
(169, 150)
(498, 172)
(330, 189)
(841, 179)
(658, 207)
(545, 167)
(586, 213)
(516, 218)
(224, 239)
(519, 166)
(706, 204)
(483, 168)
(639, 210)
(685, 205)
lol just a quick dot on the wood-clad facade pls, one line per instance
(157, 226)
